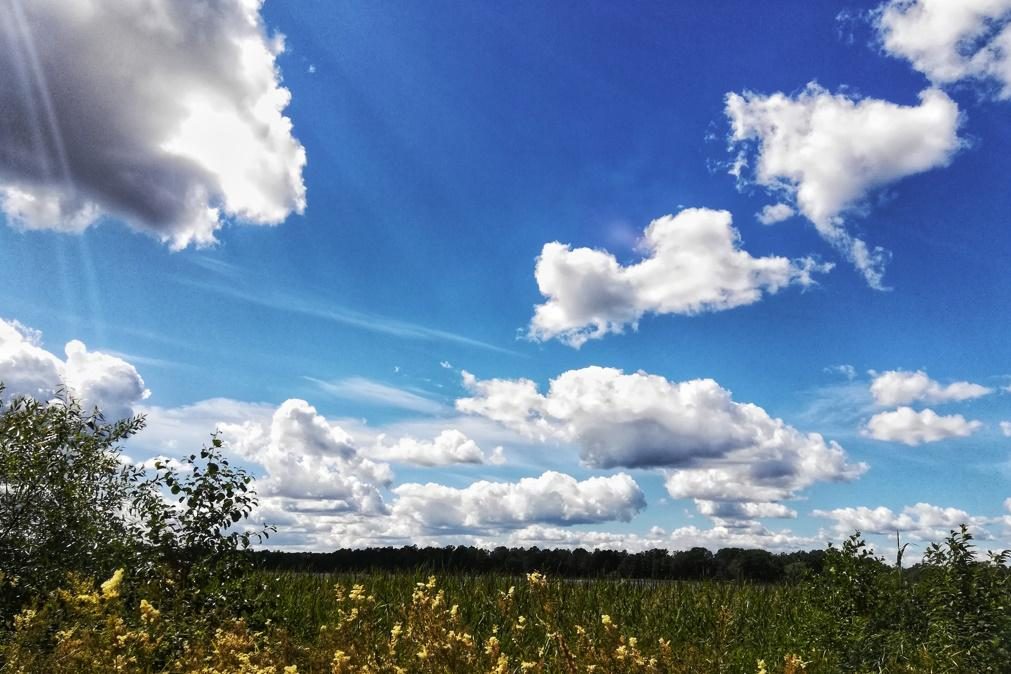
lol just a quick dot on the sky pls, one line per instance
(558, 274)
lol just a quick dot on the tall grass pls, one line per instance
(949, 615)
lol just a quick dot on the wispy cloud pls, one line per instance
(370, 391)
(344, 316)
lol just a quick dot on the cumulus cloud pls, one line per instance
(552, 498)
(922, 521)
(449, 447)
(167, 115)
(912, 428)
(951, 41)
(310, 463)
(724, 510)
(773, 213)
(826, 152)
(901, 387)
(712, 447)
(94, 378)
(693, 263)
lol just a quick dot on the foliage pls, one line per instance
(190, 512)
(63, 492)
(70, 504)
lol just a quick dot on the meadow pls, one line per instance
(105, 567)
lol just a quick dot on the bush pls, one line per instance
(70, 504)
(63, 496)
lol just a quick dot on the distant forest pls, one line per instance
(694, 564)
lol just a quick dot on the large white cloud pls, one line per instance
(901, 387)
(712, 447)
(912, 427)
(950, 41)
(94, 378)
(167, 114)
(827, 151)
(311, 464)
(693, 264)
(448, 447)
(552, 498)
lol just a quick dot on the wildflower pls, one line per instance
(423, 653)
(491, 646)
(110, 588)
(291, 669)
(24, 619)
(537, 579)
(761, 667)
(340, 658)
(606, 621)
(148, 613)
(527, 666)
(357, 592)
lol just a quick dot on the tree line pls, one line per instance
(659, 564)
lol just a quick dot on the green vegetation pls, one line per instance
(105, 568)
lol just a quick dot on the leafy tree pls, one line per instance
(69, 503)
(63, 495)
(190, 512)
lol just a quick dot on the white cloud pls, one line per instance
(923, 521)
(901, 387)
(310, 464)
(168, 115)
(693, 264)
(449, 447)
(552, 498)
(910, 427)
(951, 41)
(827, 152)
(94, 378)
(773, 213)
(724, 510)
(845, 370)
(713, 448)
(683, 538)
(1005, 428)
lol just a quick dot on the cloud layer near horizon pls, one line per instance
(166, 115)
(709, 446)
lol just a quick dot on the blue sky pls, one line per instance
(445, 144)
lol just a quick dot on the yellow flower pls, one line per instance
(291, 669)
(423, 653)
(110, 588)
(606, 621)
(537, 579)
(148, 613)
(761, 667)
